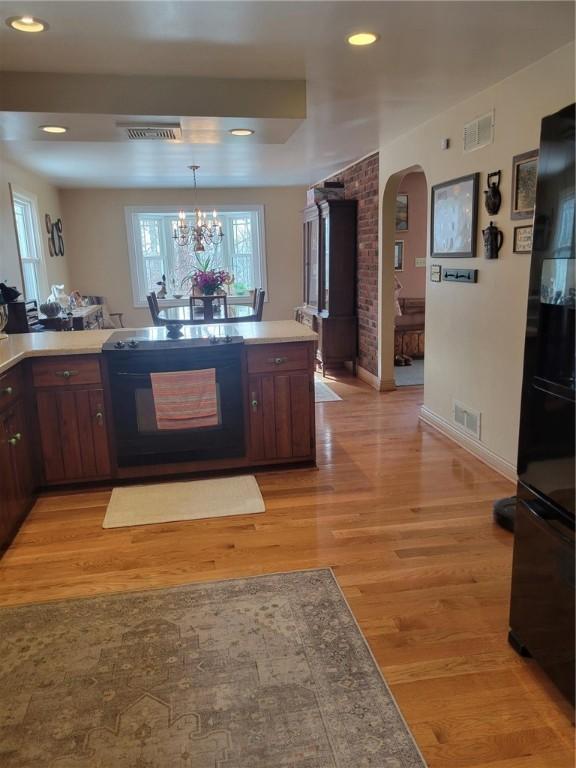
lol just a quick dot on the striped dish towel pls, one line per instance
(185, 399)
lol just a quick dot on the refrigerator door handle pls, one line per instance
(552, 525)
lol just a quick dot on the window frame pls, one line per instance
(131, 213)
(18, 194)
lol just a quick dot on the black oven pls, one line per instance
(139, 441)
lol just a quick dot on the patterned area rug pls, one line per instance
(267, 672)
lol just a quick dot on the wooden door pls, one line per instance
(73, 434)
(280, 416)
(8, 487)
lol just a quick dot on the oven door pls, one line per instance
(139, 441)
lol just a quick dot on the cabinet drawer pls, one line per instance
(267, 358)
(66, 371)
(11, 386)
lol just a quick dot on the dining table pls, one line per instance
(186, 316)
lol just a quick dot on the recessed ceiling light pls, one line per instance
(26, 24)
(241, 131)
(362, 38)
(53, 128)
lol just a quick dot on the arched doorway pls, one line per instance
(403, 277)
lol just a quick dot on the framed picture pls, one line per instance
(401, 213)
(399, 256)
(524, 173)
(523, 239)
(454, 217)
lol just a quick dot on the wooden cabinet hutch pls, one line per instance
(330, 280)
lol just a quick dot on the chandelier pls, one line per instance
(204, 231)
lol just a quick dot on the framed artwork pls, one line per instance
(399, 256)
(401, 213)
(454, 217)
(524, 173)
(523, 239)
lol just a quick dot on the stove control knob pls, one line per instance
(227, 339)
(132, 343)
(214, 340)
(119, 345)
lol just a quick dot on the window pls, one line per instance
(153, 251)
(26, 218)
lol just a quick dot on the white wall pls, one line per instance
(48, 202)
(97, 241)
(475, 333)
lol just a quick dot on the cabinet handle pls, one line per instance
(7, 391)
(277, 360)
(15, 438)
(254, 402)
(100, 418)
(66, 374)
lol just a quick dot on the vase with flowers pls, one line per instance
(204, 280)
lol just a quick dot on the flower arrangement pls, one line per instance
(210, 281)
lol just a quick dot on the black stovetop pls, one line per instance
(163, 337)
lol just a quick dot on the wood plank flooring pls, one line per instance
(404, 518)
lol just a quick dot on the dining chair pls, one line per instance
(153, 307)
(259, 307)
(220, 299)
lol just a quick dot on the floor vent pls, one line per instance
(466, 418)
(152, 132)
(479, 132)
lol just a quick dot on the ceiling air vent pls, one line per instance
(466, 418)
(479, 133)
(152, 132)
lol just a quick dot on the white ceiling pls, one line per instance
(430, 55)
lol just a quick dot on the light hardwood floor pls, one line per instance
(404, 518)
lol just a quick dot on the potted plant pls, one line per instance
(206, 281)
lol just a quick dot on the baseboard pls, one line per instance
(502, 466)
(382, 385)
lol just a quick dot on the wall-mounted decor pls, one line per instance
(55, 238)
(435, 273)
(493, 239)
(454, 217)
(399, 256)
(460, 275)
(524, 173)
(401, 213)
(523, 239)
(492, 195)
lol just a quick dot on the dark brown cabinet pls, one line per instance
(281, 403)
(17, 461)
(330, 279)
(71, 420)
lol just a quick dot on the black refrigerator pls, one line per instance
(542, 599)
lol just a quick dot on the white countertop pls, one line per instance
(19, 346)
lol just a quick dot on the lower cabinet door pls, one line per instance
(17, 481)
(73, 434)
(281, 420)
(8, 485)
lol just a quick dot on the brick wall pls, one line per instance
(361, 183)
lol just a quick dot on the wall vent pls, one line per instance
(479, 132)
(152, 132)
(466, 418)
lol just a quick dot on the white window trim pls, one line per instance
(30, 197)
(133, 233)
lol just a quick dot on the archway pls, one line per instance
(404, 227)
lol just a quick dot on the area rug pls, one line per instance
(266, 672)
(409, 375)
(323, 393)
(177, 501)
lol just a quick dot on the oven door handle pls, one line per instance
(128, 375)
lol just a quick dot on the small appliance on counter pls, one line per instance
(542, 600)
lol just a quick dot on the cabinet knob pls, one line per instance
(15, 438)
(277, 360)
(99, 418)
(66, 374)
(7, 391)
(254, 402)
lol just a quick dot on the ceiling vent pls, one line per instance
(152, 132)
(466, 418)
(479, 132)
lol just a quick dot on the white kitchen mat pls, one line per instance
(178, 501)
